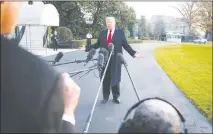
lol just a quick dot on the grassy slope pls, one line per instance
(190, 67)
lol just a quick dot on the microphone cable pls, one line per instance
(83, 75)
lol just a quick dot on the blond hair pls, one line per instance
(111, 18)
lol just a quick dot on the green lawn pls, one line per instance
(190, 67)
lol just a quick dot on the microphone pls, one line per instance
(89, 119)
(100, 60)
(121, 59)
(105, 53)
(58, 57)
(90, 55)
(111, 48)
(100, 63)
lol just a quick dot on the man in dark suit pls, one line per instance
(113, 75)
(35, 98)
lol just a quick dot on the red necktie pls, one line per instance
(109, 37)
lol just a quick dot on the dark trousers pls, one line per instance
(88, 42)
(107, 85)
(55, 47)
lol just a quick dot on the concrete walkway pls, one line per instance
(150, 80)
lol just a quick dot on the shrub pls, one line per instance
(78, 43)
(49, 32)
(65, 37)
(65, 34)
(81, 43)
(131, 41)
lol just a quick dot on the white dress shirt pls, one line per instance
(89, 36)
(68, 119)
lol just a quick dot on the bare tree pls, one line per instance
(142, 27)
(205, 17)
(159, 28)
(148, 30)
(190, 13)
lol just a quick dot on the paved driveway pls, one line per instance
(150, 81)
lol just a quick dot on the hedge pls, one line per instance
(81, 43)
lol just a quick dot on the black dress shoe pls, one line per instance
(104, 101)
(116, 100)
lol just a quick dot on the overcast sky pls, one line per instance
(154, 8)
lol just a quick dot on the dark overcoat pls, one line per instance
(31, 98)
(119, 40)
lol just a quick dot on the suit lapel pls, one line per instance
(114, 35)
(105, 37)
(105, 34)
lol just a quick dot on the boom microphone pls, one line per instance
(90, 55)
(105, 53)
(100, 60)
(121, 60)
(111, 48)
(99, 89)
(58, 57)
(100, 63)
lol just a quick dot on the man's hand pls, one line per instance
(71, 94)
(137, 55)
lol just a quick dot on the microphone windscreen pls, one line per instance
(91, 54)
(121, 59)
(105, 53)
(111, 47)
(101, 60)
(58, 57)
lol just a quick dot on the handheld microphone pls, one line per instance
(58, 57)
(90, 55)
(121, 60)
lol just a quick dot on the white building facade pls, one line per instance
(175, 28)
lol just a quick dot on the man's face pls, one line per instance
(9, 15)
(110, 23)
